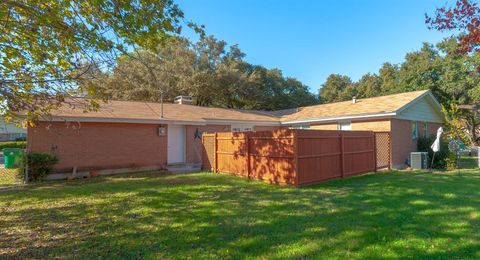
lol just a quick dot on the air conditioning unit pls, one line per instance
(419, 160)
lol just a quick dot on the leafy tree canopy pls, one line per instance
(451, 76)
(47, 46)
(461, 17)
(209, 70)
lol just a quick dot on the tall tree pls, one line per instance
(370, 85)
(388, 75)
(459, 80)
(451, 75)
(333, 89)
(47, 46)
(214, 73)
(420, 70)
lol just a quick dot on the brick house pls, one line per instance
(406, 116)
(123, 134)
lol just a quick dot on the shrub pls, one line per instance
(39, 165)
(451, 161)
(20, 144)
(442, 157)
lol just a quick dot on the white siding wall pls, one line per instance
(8, 128)
(424, 110)
(9, 132)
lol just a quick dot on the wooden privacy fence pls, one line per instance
(208, 141)
(295, 157)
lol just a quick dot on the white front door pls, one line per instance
(176, 144)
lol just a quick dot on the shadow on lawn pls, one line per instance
(210, 216)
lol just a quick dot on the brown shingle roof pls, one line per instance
(128, 110)
(366, 106)
(151, 111)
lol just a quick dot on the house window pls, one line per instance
(414, 130)
(17, 136)
(425, 129)
(346, 126)
(241, 128)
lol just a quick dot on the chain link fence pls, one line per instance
(468, 158)
(8, 177)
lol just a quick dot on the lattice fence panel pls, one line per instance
(382, 142)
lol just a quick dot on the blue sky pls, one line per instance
(310, 39)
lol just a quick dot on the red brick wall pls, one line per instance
(433, 127)
(194, 149)
(402, 142)
(90, 146)
(100, 145)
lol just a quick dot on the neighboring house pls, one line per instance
(126, 134)
(10, 132)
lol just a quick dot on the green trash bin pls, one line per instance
(11, 156)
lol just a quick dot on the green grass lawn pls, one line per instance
(158, 216)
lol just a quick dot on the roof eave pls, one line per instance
(338, 118)
(159, 121)
(121, 120)
(235, 121)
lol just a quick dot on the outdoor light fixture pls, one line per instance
(162, 131)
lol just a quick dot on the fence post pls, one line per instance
(389, 150)
(203, 149)
(295, 156)
(247, 150)
(342, 153)
(215, 159)
(478, 156)
(374, 151)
